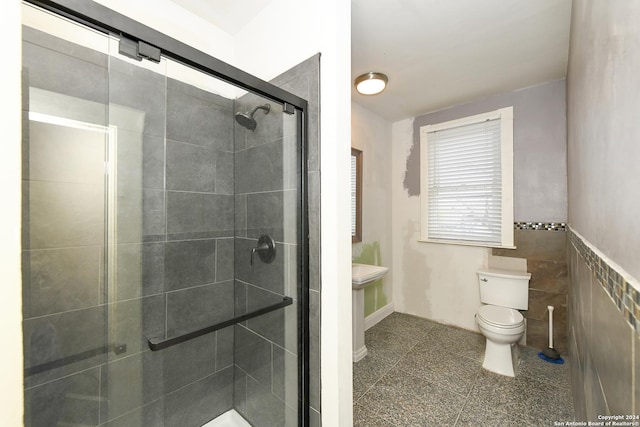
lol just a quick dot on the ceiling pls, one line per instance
(440, 53)
(437, 53)
(228, 15)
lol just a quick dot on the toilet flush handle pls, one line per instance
(484, 279)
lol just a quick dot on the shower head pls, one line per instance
(246, 120)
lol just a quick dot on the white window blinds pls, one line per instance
(354, 175)
(466, 190)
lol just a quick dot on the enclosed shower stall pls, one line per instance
(165, 253)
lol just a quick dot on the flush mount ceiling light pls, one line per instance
(371, 83)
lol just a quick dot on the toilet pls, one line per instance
(502, 293)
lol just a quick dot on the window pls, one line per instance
(356, 195)
(466, 181)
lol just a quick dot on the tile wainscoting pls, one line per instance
(625, 296)
(543, 245)
(604, 338)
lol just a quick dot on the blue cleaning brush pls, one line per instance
(550, 354)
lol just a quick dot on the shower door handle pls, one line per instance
(266, 249)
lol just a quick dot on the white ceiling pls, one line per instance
(437, 53)
(228, 15)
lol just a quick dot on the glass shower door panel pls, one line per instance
(132, 377)
(66, 138)
(173, 251)
(267, 209)
(94, 166)
(187, 249)
(171, 244)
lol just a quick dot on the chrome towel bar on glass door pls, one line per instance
(156, 344)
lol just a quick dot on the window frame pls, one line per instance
(506, 160)
(357, 237)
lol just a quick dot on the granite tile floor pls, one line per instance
(421, 373)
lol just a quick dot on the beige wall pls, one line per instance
(430, 280)
(11, 290)
(439, 281)
(372, 134)
(603, 148)
(604, 129)
(603, 100)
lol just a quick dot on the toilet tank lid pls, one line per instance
(509, 274)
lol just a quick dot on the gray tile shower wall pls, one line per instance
(174, 251)
(197, 238)
(265, 164)
(603, 335)
(260, 194)
(543, 245)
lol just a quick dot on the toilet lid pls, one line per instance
(501, 316)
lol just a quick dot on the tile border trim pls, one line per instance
(613, 280)
(540, 226)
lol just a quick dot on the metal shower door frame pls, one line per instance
(107, 21)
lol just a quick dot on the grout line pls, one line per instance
(455, 423)
(215, 263)
(215, 351)
(271, 368)
(166, 315)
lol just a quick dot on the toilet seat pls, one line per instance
(500, 317)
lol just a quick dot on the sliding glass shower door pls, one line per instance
(163, 219)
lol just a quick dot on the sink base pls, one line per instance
(361, 276)
(357, 319)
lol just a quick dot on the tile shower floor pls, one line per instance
(421, 373)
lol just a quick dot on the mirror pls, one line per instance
(356, 195)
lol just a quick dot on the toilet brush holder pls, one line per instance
(550, 354)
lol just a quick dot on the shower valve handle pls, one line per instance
(259, 248)
(266, 249)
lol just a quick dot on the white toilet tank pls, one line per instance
(505, 288)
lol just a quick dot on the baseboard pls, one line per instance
(377, 316)
(359, 354)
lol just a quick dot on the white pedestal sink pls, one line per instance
(361, 276)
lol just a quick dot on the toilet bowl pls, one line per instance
(503, 328)
(499, 321)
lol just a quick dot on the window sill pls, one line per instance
(462, 243)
